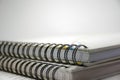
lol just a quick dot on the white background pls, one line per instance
(29, 19)
(32, 19)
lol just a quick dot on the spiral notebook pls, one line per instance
(60, 53)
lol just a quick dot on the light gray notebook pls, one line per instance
(95, 72)
(61, 53)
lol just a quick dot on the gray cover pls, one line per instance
(65, 72)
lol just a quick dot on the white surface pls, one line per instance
(9, 76)
(92, 41)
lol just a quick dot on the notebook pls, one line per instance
(54, 71)
(88, 51)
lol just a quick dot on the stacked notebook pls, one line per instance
(51, 61)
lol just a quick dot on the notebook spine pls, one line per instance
(61, 53)
(38, 70)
